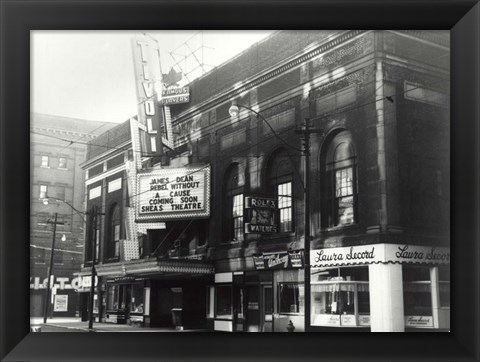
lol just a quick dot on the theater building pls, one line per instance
(232, 255)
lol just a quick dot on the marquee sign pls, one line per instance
(260, 215)
(379, 253)
(175, 193)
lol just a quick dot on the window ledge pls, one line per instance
(112, 260)
(297, 314)
(233, 242)
(280, 235)
(340, 228)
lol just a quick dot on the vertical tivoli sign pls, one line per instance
(148, 77)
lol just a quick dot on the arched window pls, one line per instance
(113, 245)
(280, 184)
(93, 235)
(339, 182)
(233, 227)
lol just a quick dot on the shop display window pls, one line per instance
(417, 291)
(444, 286)
(112, 297)
(291, 298)
(96, 304)
(223, 301)
(340, 297)
(209, 301)
(137, 305)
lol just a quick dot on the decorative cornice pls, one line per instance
(429, 36)
(273, 73)
(61, 131)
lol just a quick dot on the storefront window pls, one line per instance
(363, 299)
(112, 297)
(417, 291)
(224, 301)
(444, 285)
(340, 297)
(96, 303)
(210, 293)
(137, 305)
(291, 298)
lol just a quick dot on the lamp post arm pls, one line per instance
(80, 213)
(271, 128)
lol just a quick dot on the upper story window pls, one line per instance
(284, 194)
(280, 184)
(61, 192)
(44, 161)
(234, 195)
(339, 191)
(62, 162)
(237, 216)
(43, 191)
(113, 243)
(93, 235)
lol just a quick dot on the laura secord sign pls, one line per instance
(174, 193)
(379, 253)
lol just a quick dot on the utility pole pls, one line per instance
(306, 131)
(50, 269)
(94, 257)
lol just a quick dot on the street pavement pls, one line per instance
(76, 325)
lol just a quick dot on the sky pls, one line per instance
(90, 74)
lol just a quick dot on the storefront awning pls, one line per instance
(155, 266)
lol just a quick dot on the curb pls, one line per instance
(67, 327)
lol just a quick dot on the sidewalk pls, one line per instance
(76, 325)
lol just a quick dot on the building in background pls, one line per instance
(211, 234)
(57, 147)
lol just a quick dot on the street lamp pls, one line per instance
(305, 131)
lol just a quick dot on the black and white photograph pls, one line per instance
(284, 181)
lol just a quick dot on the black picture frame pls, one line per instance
(19, 17)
